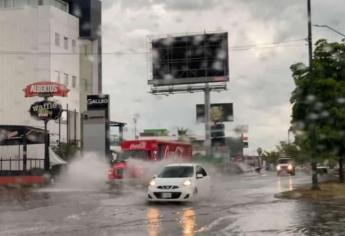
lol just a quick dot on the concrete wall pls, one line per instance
(28, 54)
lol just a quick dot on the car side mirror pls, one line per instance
(199, 176)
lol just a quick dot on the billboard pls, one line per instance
(190, 59)
(219, 112)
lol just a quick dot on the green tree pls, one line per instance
(291, 150)
(318, 112)
(284, 149)
(270, 157)
(66, 150)
(182, 134)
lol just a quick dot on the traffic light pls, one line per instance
(217, 134)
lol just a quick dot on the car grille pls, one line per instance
(167, 187)
(173, 195)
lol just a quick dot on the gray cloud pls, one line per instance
(261, 82)
(175, 5)
(183, 5)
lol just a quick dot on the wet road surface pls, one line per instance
(238, 205)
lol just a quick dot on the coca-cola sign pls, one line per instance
(140, 145)
(46, 110)
(46, 89)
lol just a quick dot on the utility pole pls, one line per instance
(315, 183)
(135, 120)
(208, 151)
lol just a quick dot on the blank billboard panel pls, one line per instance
(190, 59)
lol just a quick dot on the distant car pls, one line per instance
(322, 170)
(179, 182)
(286, 165)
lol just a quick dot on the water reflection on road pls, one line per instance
(285, 183)
(153, 221)
(239, 205)
(186, 220)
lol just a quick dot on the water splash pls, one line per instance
(87, 172)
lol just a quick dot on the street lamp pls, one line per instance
(332, 29)
(289, 131)
(135, 120)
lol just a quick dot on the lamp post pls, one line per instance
(135, 120)
(315, 182)
(332, 29)
(289, 131)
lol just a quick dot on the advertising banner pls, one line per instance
(220, 112)
(45, 89)
(46, 110)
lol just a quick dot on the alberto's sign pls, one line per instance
(45, 89)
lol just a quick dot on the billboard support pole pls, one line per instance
(208, 152)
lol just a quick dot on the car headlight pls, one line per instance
(152, 183)
(289, 167)
(187, 183)
(278, 168)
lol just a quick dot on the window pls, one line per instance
(200, 170)
(74, 46)
(85, 49)
(74, 81)
(17, 3)
(65, 79)
(84, 84)
(177, 172)
(57, 39)
(57, 77)
(8, 3)
(65, 42)
(32, 3)
(61, 5)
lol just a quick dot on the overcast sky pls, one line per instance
(260, 79)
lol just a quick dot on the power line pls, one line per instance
(249, 46)
(287, 43)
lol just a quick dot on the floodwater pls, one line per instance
(238, 205)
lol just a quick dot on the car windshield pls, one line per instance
(284, 161)
(134, 154)
(177, 172)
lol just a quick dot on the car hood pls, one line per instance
(284, 165)
(170, 181)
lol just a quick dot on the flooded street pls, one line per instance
(238, 205)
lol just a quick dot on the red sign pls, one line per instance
(45, 89)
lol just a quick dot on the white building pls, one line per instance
(39, 41)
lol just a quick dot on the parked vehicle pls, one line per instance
(179, 182)
(147, 151)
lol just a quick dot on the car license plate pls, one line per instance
(166, 195)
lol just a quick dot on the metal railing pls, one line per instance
(15, 166)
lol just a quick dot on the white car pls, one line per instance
(179, 182)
